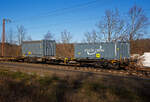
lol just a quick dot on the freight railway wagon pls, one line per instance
(103, 54)
(98, 54)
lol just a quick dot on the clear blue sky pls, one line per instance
(38, 16)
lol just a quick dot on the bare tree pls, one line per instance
(21, 33)
(90, 37)
(137, 23)
(48, 36)
(111, 26)
(10, 36)
(66, 37)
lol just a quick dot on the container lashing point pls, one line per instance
(65, 60)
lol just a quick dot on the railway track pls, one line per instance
(69, 68)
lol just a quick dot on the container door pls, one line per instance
(49, 47)
(123, 50)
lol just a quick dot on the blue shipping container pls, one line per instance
(41, 48)
(119, 50)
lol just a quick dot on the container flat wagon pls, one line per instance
(102, 54)
(99, 54)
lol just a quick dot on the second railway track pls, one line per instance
(63, 68)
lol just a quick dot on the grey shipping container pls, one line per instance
(41, 48)
(118, 50)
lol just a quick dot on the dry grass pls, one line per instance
(21, 87)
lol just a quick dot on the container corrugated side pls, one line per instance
(32, 48)
(102, 50)
(123, 50)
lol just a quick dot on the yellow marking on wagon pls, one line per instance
(29, 53)
(113, 61)
(98, 55)
(79, 53)
(65, 60)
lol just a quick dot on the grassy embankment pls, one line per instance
(21, 87)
